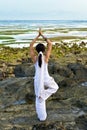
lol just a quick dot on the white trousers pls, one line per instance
(51, 87)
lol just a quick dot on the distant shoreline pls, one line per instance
(18, 32)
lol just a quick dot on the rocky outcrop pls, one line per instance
(67, 108)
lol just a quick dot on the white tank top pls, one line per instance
(44, 67)
(41, 76)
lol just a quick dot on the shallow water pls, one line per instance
(26, 30)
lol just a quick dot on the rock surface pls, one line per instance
(67, 108)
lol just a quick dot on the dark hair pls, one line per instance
(40, 60)
(40, 47)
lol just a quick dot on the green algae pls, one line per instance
(14, 32)
(8, 54)
(58, 51)
(5, 37)
(61, 38)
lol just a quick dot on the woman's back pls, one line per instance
(43, 71)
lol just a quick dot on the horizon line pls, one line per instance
(43, 19)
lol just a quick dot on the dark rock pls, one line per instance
(79, 70)
(81, 122)
(50, 126)
(63, 71)
(79, 104)
(1, 75)
(30, 98)
(24, 70)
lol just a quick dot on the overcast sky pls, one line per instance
(43, 9)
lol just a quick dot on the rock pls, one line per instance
(15, 89)
(30, 98)
(67, 82)
(55, 68)
(1, 75)
(66, 109)
(79, 70)
(46, 126)
(79, 60)
(24, 70)
(81, 122)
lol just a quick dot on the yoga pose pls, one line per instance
(44, 84)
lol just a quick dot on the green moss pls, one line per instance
(12, 54)
(13, 32)
(61, 38)
(16, 32)
(6, 37)
(58, 51)
(77, 29)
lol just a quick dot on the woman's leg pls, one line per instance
(52, 87)
(41, 109)
(40, 104)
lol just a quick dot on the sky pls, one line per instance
(43, 9)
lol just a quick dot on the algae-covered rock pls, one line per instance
(66, 109)
(24, 70)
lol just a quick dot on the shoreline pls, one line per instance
(69, 42)
(22, 32)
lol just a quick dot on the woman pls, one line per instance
(42, 78)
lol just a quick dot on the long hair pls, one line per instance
(40, 48)
(40, 60)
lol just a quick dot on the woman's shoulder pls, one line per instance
(35, 59)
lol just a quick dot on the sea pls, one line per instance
(43, 23)
(19, 33)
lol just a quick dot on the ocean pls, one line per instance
(19, 33)
(34, 24)
(43, 22)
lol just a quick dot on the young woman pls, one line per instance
(44, 84)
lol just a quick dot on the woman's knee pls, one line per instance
(56, 87)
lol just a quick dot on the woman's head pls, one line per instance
(40, 47)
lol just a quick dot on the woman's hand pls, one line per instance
(40, 32)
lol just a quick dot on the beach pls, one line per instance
(19, 33)
(67, 108)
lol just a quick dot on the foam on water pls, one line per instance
(18, 45)
(51, 28)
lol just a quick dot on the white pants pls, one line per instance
(52, 87)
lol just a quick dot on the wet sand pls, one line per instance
(21, 37)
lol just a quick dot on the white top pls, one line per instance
(44, 68)
(41, 75)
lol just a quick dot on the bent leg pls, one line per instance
(52, 87)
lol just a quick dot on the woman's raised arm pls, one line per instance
(32, 51)
(49, 46)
